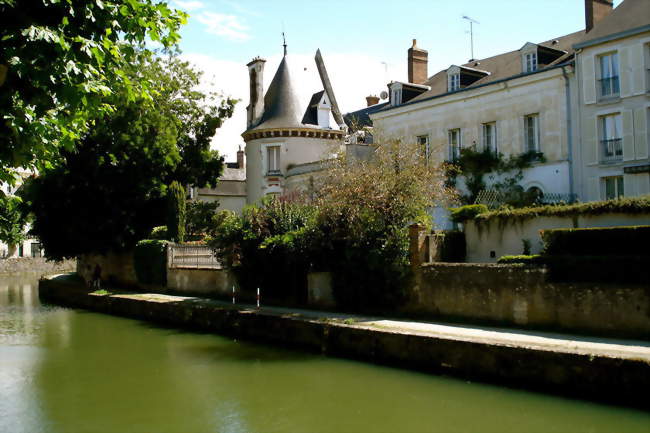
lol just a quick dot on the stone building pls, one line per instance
(230, 190)
(613, 102)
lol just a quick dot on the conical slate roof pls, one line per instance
(281, 105)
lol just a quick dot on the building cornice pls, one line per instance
(612, 37)
(327, 134)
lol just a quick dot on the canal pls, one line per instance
(66, 370)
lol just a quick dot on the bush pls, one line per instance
(468, 212)
(599, 269)
(160, 233)
(176, 212)
(535, 259)
(199, 218)
(454, 247)
(150, 261)
(611, 241)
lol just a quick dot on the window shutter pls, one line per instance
(638, 70)
(593, 192)
(628, 136)
(589, 79)
(630, 185)
(625, 75)
(590, 137)
(641, 133)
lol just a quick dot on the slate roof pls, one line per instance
(501, 66)
(281, 105)
(630, 14)
(361, 118)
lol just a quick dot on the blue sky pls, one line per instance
(363, 42)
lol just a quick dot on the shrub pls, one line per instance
(150, 261)
(160, 233)
(467, 212)
(199, 218)
(535, 259)
(612, 241)
(599, 269)
(176, 212)
(454, 247)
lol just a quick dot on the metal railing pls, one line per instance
(494, 199)
(192, 256)
(612, 149)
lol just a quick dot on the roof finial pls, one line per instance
(284, 44)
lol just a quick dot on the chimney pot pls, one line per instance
(596, 10)
(372, 100)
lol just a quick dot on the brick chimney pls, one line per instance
(372, 100)
(240, 158)
(255, 108)
(417, 64)
(596, 10)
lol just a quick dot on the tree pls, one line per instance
(61, 63)
(199, 217)
(111, 191)
(12, 220)
(176, 212)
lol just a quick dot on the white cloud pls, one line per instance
(224, 25)
(189, 5)
(354, 76)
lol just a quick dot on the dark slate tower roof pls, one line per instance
(281, 106)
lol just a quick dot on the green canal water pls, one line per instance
(65, 370)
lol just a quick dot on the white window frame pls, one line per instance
(489, 141)
(273, 159)
(424, 145)
(455, 143)
(454, 82)
(531, 134)
(609, 82)
(617, 184)
(610, 134)
(395, 94)
(530, 62)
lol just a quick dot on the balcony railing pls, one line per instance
(612, 149)
(609, 87)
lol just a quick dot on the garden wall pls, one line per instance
(115, 267)
(490, 240)
(36, 265)
(206, 282)
(516, 295)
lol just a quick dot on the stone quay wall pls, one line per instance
(34, 265)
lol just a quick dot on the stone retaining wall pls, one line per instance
(36, 265)
(523, 296)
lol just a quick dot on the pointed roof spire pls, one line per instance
(284, 44)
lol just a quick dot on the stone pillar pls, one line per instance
(417, 238)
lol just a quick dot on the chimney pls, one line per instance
(417, 64)
(240, 158)
(372, 100)
(256, 106)
(596, 10)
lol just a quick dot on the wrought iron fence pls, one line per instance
(192, 256)
(494, 199)
(612, 150)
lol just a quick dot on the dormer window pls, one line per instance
(454, 82)
(401, 93)
(459, 77)
(530, 62)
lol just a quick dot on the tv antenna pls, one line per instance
(471, 32)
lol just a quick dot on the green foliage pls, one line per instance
(61, 64)
(525, 259)
(467, 212)
(454, 247)
(474, 165)
(159, 233)
(12, 220)
(599, 269)
(176, 212)
(606, 241)
(526, 244)
(199, 219)
(631, 205)
(110, 192)
(150, 261)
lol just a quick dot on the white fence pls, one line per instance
(192, 256)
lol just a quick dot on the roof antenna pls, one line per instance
(471, 33)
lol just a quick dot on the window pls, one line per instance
(454, 144)
(610, 137)
(531, 133)
(530, 64)
(454, 82)
(423, 144)
(273, 159)
(490, 137)
(395, 94)
(609, 83)
(613, 187)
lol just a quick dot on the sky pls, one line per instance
(364, 43)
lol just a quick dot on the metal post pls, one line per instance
(233, 294)
(258, 297)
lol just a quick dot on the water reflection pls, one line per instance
(64, 370)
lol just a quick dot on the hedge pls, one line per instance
(630, 205)
(150, 261)
(534, 259)
(610, 241)
(599, 269)
(464, 213)
(454, 247)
